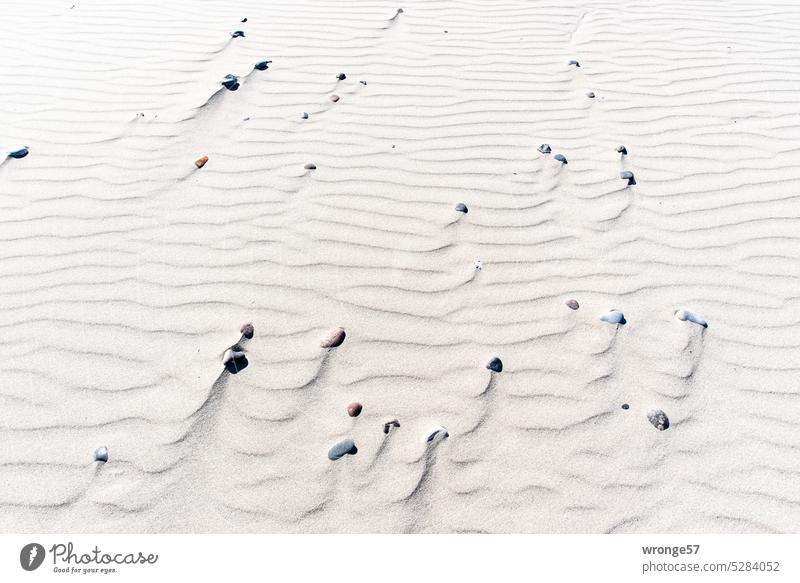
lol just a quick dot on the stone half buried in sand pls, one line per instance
(462, 208)
(613, 317)
(628, 175)
(435, 432)
(658, 419)
(230, 82)
(687, 316)
(495, 365)
(247, 330)
(561, 158)
(622, 150)
(354, 409)
(237, 34)
(262, 65)
(200, 162)
(341, 449)
(545, 149)
(334, 338)
(232, 354)
(574, 62)
(101, 454)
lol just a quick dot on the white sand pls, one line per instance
(126, 271)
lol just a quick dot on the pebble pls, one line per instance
(342, 449)
(363, 82)
(561, 158)
(305, 115)
(574, 62)
(590, 94)
(626, 406)
(21, 153)
(341, 76)
(101, 454)
(244, 20)
(247, 330)
(622, 150)
(687, 316)
(334, 338)
(230, 82)
(431, 434)
(389, 424)
(263, 65)
(573, 304)
(462, 208)
(200, 162)
(478, 264)
(310, 166)
(495, 365)
(628, 175)
(545, 149)
(613, 317)
(237, 33)
(659, 419)
(354, 409)
(334, 98)
(231, 355)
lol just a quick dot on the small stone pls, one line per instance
(495, 365)
(431, 434)
(626, 406)
(687, 316)
(305, 115)
(244, 20)
(574, 62)
(659, 419)
(232, 354)
(354, 409)
(262, 65)
(622, 150)
(310, 166)
(613, 317)
(247, 330)
(21, 153)
(389, 424)
(572, 304)
(200, 162)
(545, 149)
(334, 98)
(101, 454)
(363, 82)
(628, 175)
(561, 158)
(478, 264)
(230, 82)
(237, 33)
(590, 94)
(334, 338)
(462, 208)
(341, 76)
(342, 449)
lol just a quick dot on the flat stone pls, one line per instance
(687, 316)
(495, 365)
(574, 62)
(21, 153)
(572, 304)
(334, 338)
(310, 166)
(237, 33)
(432, 433)
(613, 317)
(342, 449)
(658, 419)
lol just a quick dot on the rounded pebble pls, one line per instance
(230, 82)
(613, 317)
(462, 208)
(590, 94)
(495, 365)
(334, 98)
(247, 330)
(233, 353)
(244, 20)
(626, 406)
(305, 115)
(334, 338)
(237, 33)
(389, 424)
(478, 264)
(572, 304)
(341, 449)
(622, 150)
(341, 76)
(310, 166)
(363, 82)
(431, 434)
(659, 419)
(545, 149)
(101, 454)
(574, 62)
(21, 153)
(263, 65)
(354, 409)
(200, 162)
(561, 158)
(687, 316)
(628, 175)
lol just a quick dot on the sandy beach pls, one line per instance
(127, 271)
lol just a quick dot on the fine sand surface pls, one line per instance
(127, 272)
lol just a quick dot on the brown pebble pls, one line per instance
(334, 98)
(334, 338)
(310, 166)
(572, 304)
(200, 162)
(247, 330)
(354, 409)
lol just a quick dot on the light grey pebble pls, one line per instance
(659, 419)
(561, 158)
(432, 433)
(687, 316)
(341, 449)
(572, 304)
(590, 94)
(622, 150)
(101, 454)
(613, 317)
(574, 62)
(305, 115)
(462, 208)
(310, 166)
(628, 175)
(545, 149)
